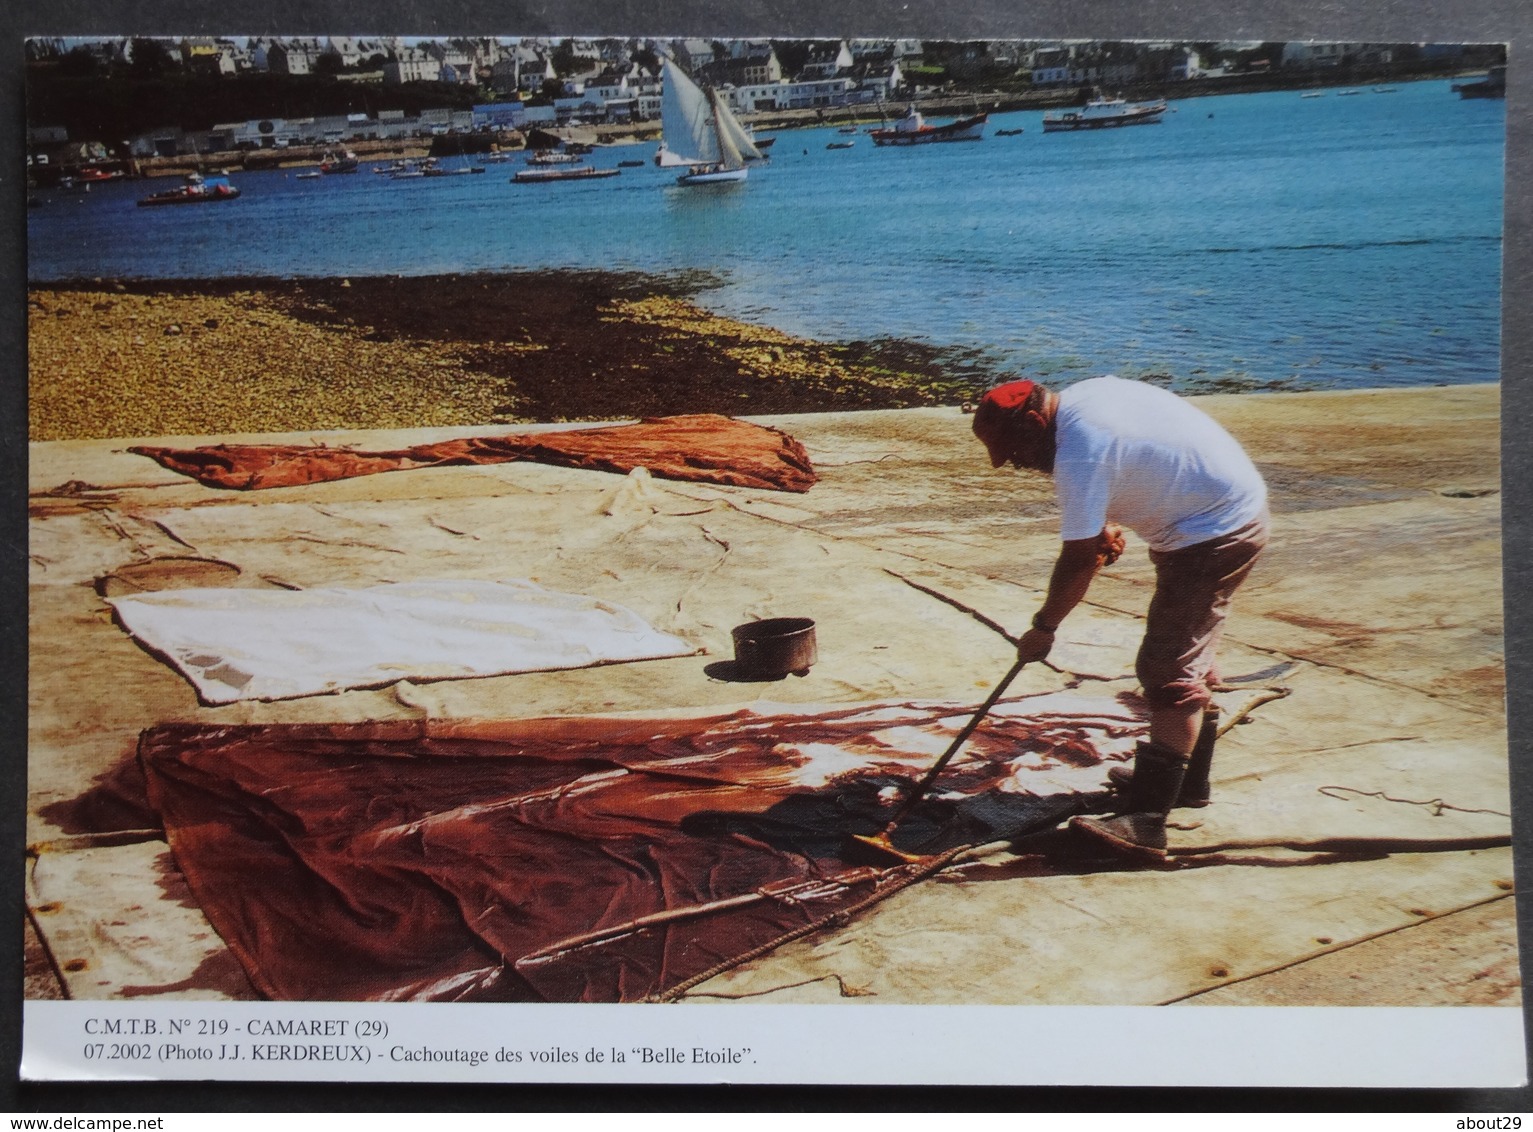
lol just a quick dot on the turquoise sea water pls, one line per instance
(1263, 238)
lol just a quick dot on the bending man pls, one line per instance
(1125, 452)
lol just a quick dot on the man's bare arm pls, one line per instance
(1074, 569)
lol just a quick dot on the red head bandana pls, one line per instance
(992, 413)
(1012, 395)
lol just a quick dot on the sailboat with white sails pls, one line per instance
(701, 133)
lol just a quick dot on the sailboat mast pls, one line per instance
(718, 127)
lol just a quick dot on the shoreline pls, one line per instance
(948, 104)
(150, 357)
(260, 354)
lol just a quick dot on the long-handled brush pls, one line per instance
(880, 842)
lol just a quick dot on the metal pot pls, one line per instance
(775, 647)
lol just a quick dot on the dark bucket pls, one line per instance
(775, 647)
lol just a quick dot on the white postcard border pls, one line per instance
(181, 1040)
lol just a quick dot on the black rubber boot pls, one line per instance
(1195, 788)
(1140, 831)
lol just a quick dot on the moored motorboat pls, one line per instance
(195, 189)
(91, 173)
(410, 169)
(435, 170)
(563, 173)
(552, 157)
(342, 162)
(914, 130)
(1104, 113)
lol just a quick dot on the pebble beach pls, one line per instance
(135, 358)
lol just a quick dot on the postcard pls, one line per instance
(904, 542)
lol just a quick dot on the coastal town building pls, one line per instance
(1083, 64)
(827, 60)
(560, 81)
(209, 56)
(294, 56)
(1323, 55)
(691, 55)
(790, 95)
(877, 79)
(417, 65)
(905, 50)
(523, 66)
(500, 116)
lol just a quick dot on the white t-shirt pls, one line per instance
(1134, 454)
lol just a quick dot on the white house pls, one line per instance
(1179, 63)
(410, 65)
(393, 124)
(880, 79)
(1081, 65)
(524, 66)
(1051, 65)
(423, 65)
(827, 60)
(691, 55)
(294, 56)
(582, 106)
(500, 115)
(789, 95)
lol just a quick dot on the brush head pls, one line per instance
(880, 845)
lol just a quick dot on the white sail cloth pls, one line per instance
(252, 644)
(698, 127)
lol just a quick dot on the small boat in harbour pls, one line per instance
(339, 162)
(194, 189)
(561, 173)
(913, 129)
(435, 170)
(552, 157)
(1493, 85)
(411, 170)
(1104, 113)
(840, 145)
(1008, 133)
(94, 173)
